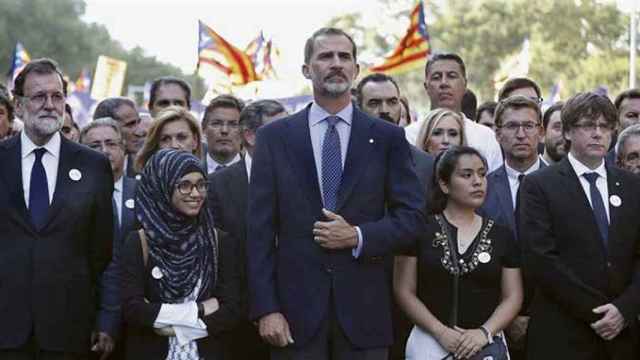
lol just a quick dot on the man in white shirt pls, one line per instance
(56, 225)
(445, 83)
(221, 127)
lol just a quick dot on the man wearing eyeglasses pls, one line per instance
(518, 130)
(104, 135)
(124, 111)
(56, 226)
(221, 127)
(578, 220)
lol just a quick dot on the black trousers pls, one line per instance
(32, 351)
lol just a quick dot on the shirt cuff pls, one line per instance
(358, 249)
(185, 314)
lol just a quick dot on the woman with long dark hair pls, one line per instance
(181, 277)
(461, 284)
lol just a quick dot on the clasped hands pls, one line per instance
(462, 343)
(611, 323)
(335, 233)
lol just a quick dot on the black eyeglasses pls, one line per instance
(591, 126)
(186, 187)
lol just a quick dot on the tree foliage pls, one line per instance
(580, 43)
(55, 29)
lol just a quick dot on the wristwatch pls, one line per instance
(201, 310)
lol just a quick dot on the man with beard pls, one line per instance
(221, 127)
(628, 149)
(56, 223)
(379, 96)
(333, 192)
(554, 143)
(123, 110)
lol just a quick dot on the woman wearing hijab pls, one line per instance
(181, 278)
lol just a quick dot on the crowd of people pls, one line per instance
(347, 230)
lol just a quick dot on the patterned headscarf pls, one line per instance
(184, 248)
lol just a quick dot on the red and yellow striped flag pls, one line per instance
(413, 49)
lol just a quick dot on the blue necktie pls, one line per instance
(38, 191)
(599, 210)
(331, 164)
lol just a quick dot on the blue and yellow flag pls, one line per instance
(18, 61)
(214, 50)
(413, 49)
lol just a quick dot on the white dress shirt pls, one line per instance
(247, 164)
(50, 161)
(212, 165)
(117, 197)
(601, 182)
(478, 136)
(514, 183)
(317, 130)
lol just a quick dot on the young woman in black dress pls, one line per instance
(486, 262)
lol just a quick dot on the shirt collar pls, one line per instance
(582, 169)
(317, 114)
(52, 146)
(513, 174)
(212, 164)
(117, 186)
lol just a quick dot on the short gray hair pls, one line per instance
(633, 130)
(101, 122)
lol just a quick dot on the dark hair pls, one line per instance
(546, 117)
(589, 105)
(469, 104)
(39, 66)
(166, 80)
(68, 110)
(518, 83)
(252, 116)
(488, 106)
(376, 78)
(444, 166)
(627, 94)
(326, 31)
(516, 102)
(446, 56)
(109, 106)
(8, 104)
(222, 101)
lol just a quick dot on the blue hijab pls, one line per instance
(184, 248)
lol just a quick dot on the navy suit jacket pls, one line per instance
(109, 316)
(48, 278)
(574, 272)
(288, 271)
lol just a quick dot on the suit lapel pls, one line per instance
(12, 163)
(301, 153)
(503, 190)
(357, 152)
(63, 180)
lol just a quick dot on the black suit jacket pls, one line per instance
(48, 277)
(573, 271)
(141, 302)
(423, 163)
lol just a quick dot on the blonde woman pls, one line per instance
(441, 129)
(173, 128)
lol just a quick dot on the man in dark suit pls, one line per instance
(379, 96)
(56, 226)
(578, 220)
(333, 191)
(221, 127)
(227, 197)
(519, 129)
(104, 135)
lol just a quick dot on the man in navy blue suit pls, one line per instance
(56, 226)
(332, 192)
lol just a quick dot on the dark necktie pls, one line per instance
(331, 164)
(38, 191)
(520, 177)
(599, 210)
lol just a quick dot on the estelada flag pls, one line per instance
(19, 60)
(214, 50)
(413, 49)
